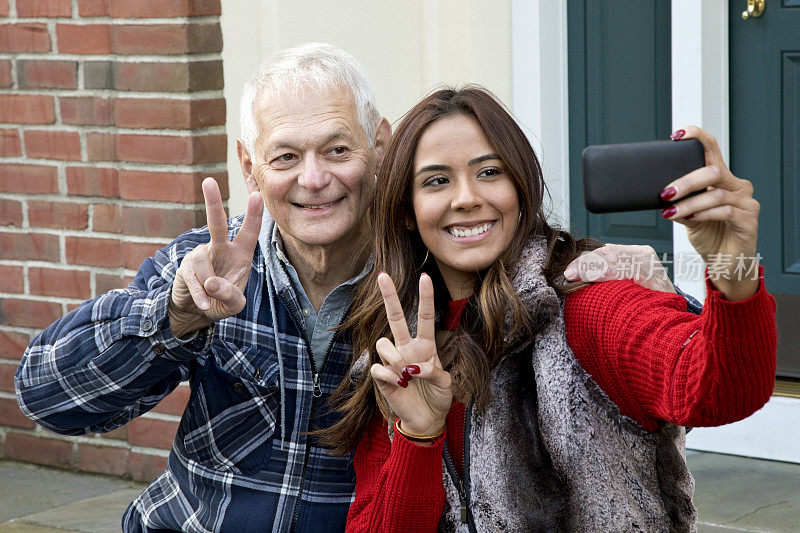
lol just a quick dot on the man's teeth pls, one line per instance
(459, 231)
(319, 206)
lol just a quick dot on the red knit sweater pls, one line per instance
(653, 359)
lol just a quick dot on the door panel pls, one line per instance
(765, 148)
(619, 91)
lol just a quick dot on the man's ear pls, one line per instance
(383, 134)
(247, 167)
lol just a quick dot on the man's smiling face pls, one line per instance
(313, 166)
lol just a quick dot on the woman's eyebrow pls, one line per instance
(430, 168)
(482, 158)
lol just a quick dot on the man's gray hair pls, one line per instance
(318, 67)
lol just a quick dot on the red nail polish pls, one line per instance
(405, 374)
(413, 369)
(669, 211)
(677, 135)
(403, 383)
(381, 272)
(689, 217)
(666, 194)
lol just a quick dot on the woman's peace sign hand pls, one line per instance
(209, 284)
(411, 377)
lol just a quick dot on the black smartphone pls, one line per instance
(629, 177)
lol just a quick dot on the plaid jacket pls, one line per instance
(114, 358)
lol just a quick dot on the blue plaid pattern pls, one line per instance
(115, 358)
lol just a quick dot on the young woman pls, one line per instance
(511, 400)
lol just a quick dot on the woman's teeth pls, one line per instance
(459, 231)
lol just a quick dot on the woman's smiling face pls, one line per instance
(465, 205)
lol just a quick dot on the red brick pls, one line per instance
(32, 179)
(64, 145)
(93, 251)
(84, 39)
(10, 213)
(146, 467)
(111, 460)
(86, 110)
(168, 113)
(152, 432)
(28, 313)
(127, 280)
(7, 371)
(166, 38)
(143, 76)
(13, 344)
(44, 8)
(59, 282)
(163, 8)
(171, 149)
(61, 215)
(167, 186)
(28, 37)
(92, 181)
(156, 222)
(101, 146)
(4, 8)
(5, 72)
(27, 109)
(10, 415)
(11, 278)
(208, 113)
(10, 144)
(33, 73)
(106, 217)
(167, 76)
(39, 449)
(29, 247)
(93, 8)
(133, 253)
(107, 282)
(175, 402)
(121, 433)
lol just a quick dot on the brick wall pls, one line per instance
(111, 114)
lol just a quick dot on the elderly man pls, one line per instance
(244, 309)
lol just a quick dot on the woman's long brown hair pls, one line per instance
(478, 344)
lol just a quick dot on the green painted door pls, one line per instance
(765, 148)
(619, 91)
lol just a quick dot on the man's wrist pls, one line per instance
(184, 324)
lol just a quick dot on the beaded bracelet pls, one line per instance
(417, 438)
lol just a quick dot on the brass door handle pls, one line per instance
(754, 9)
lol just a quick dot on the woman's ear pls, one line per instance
(411, 224)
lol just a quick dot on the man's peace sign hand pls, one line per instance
(411, 377)
(209, 284)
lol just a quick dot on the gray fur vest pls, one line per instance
(551, 452)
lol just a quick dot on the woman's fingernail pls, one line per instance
(413, 369)
(689, 217)
(405, 374)
(403, 383)
(570, 272)
(668, 193)
(669, 211)
(677, 135)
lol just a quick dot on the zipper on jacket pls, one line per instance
(462, 483)
(296, 514)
